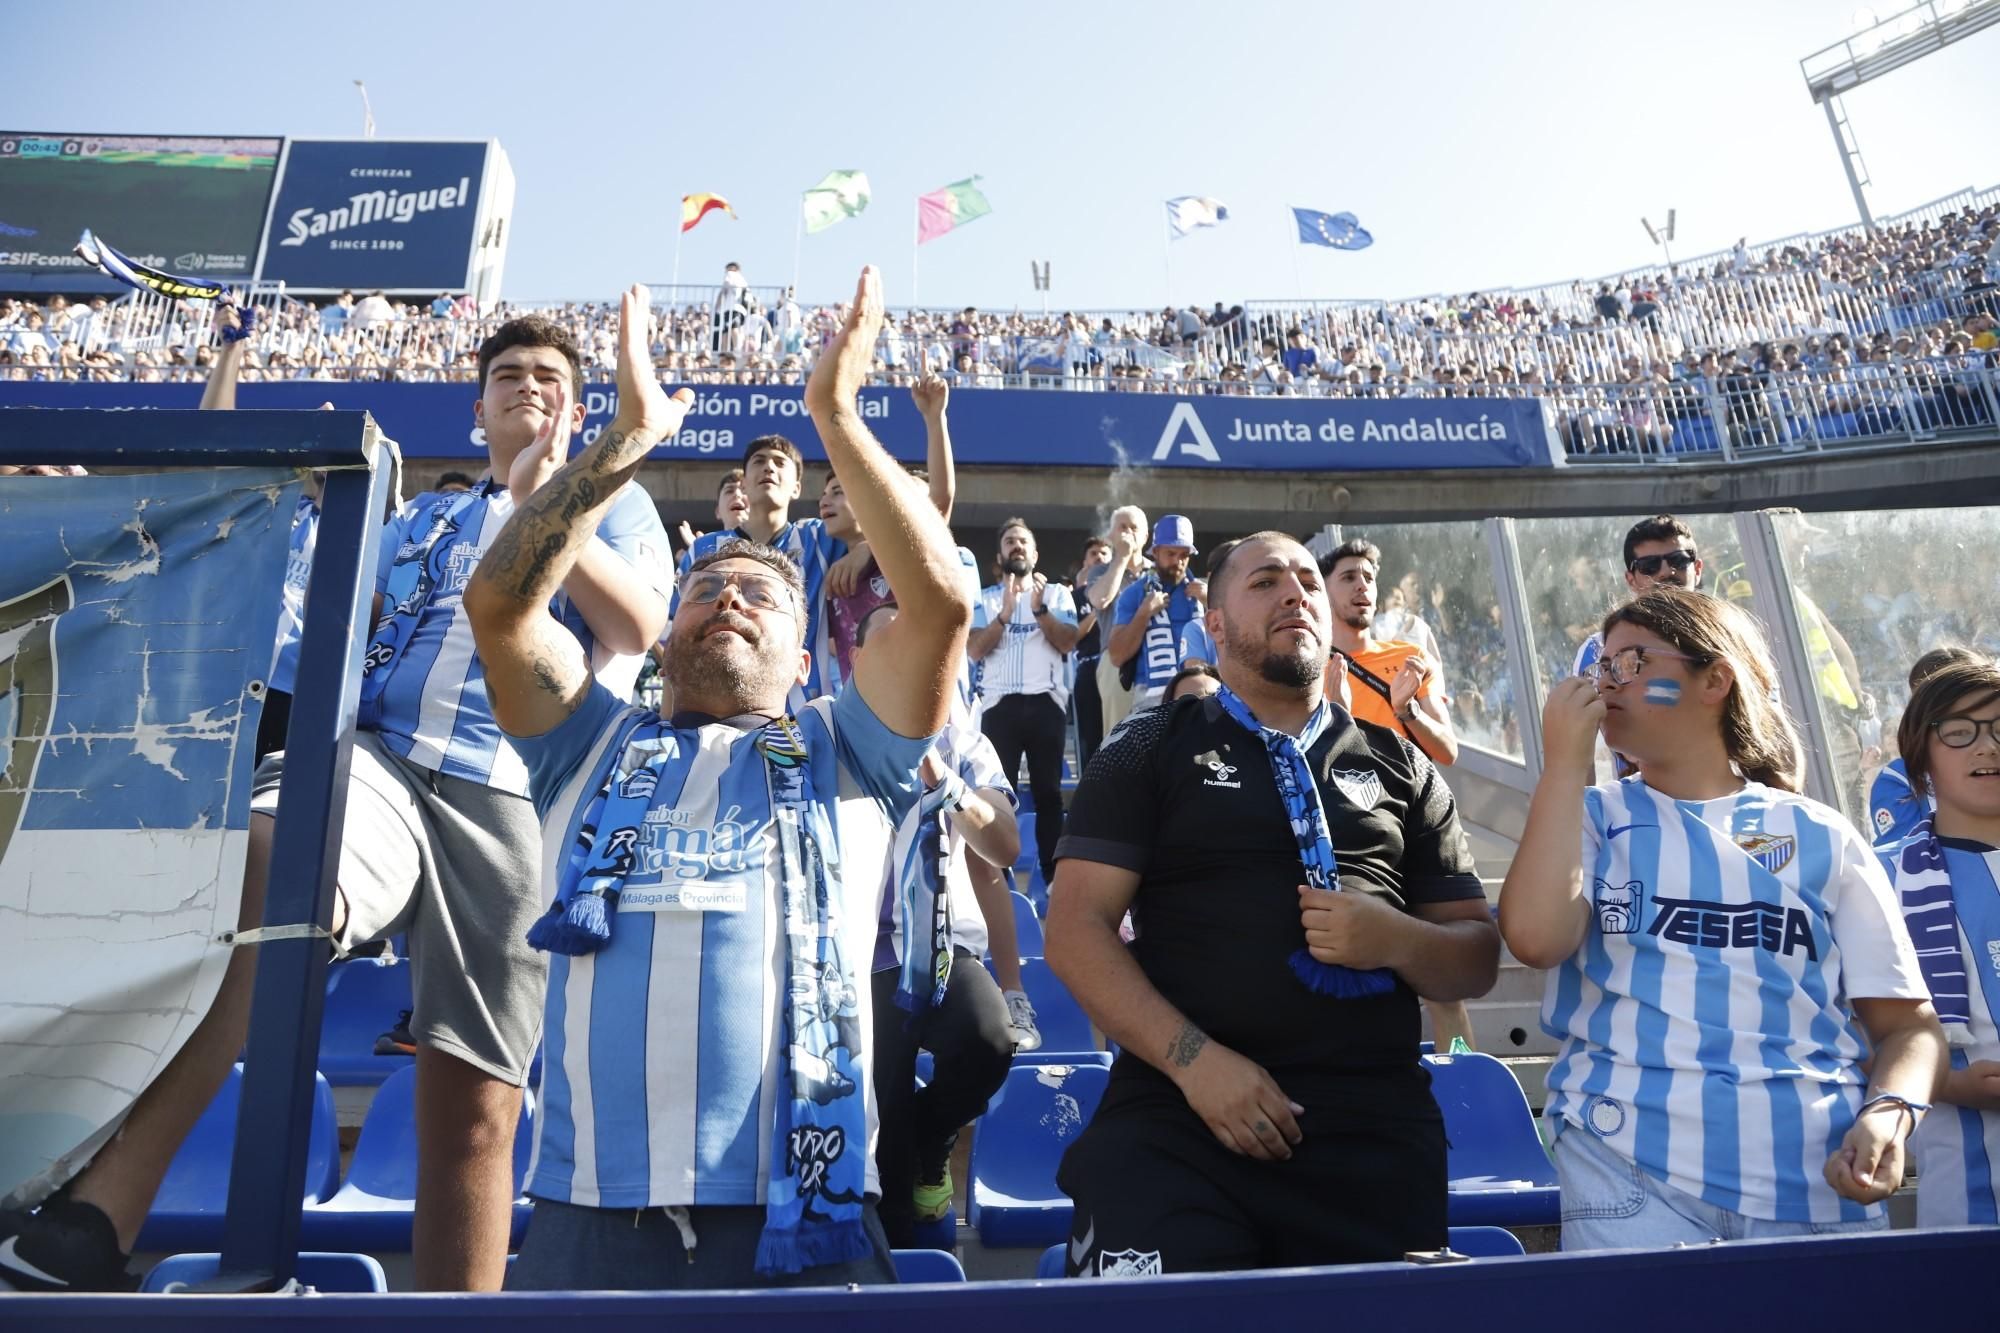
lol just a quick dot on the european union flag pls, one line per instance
(1342, 231)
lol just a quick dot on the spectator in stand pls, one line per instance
(451, 483)
(374, 310)
(1024, 631)
(334, 318)
(1895, 807)
(1947, 878)
(1268, 1106)
(1147, 620)
(1086, 705)
(1398, 619)
(1197, 646)
(1127, 565)
(1198, 679)
(1300, 359)
(1809, 1031)
(1394, 684)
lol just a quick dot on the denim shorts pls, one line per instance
(1608, 1203)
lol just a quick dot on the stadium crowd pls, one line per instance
(1848, 335)
(795, 855)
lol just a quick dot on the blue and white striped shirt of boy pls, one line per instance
(434, 710)
(662, 1051)
(292, 614)
(1706, 1023)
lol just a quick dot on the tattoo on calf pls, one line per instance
(1186, 1045)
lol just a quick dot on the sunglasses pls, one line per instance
(1960, 732)
(1649, 565)
(757, 591)
(1623, 667)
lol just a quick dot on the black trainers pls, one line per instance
(397, 1040)
(64, 1246)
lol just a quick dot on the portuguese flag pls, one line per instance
(695, 207)
(955, 205)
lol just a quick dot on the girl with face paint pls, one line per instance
(1724, 954)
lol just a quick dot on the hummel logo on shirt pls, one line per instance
(1212, 761)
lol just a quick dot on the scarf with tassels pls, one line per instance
(819, 1131)
(1293, 774)
(924, 943)
(1939, 914)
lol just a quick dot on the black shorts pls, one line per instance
(1156, 1193)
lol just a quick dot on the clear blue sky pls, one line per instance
(1483, 144)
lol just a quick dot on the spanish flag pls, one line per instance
(695, 207)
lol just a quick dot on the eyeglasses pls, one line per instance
(758, 591)
(1647, 566)
(1959, 732)
(1623, 667)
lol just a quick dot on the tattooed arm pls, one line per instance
(1239, 1102)
(535, 670)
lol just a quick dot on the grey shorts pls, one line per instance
(452, 864)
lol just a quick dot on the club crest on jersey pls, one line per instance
(1362, 787)
(1617, 906)
(1129, 1263)
(1884, 821)
(1773, 851)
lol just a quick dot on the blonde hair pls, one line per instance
(1760, 737)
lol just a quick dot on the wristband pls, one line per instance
(1897, 1099)
(955, 791)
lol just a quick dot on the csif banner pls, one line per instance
(1003, 427)
(376, 214)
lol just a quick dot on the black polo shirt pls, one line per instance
(1184, 796)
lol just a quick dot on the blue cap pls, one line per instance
(1174, 530)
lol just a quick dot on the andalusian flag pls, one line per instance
(695, 207)
(839, 197)
(955, 205)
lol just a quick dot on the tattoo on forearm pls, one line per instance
(611, 448)
(1186, 1045)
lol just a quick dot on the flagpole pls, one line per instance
(1167, 250)
(680, 230)
(798, 242)
(916, 240)
(1298, 285)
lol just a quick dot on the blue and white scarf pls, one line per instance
(925, 968)
(1293, 773)
(1938, 914)
(819, 1143)
(416, 574)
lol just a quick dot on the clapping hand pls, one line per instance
(844, 364)
(930, 393)
(1408, 682)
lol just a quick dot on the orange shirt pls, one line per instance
(1385, 660)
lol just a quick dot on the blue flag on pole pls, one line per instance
(1341, 231)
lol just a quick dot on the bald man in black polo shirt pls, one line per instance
(1261, 1115)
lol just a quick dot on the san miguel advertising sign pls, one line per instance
(373, 214)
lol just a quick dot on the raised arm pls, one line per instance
(1543, 912)
(535, 671)
(931, 394)
(909, 687)
(219, 394)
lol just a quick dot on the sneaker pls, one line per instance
(1021, 1018)
(933, 1201)
(65, 1246)
(397, 1040)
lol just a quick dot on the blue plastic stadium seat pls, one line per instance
(187, 1212)
(1695, 435)
(363, 998)
(373, 1210)
(318, 1270)
(927, 1266)
(1026, 860)
(1027, 926)
(1036, 1115)
(1486, 1242)
(1473, 1242)
(1499, 1173)
(1065, 1030)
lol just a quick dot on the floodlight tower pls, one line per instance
(1878, 47)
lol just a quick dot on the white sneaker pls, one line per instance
(1021, 1018)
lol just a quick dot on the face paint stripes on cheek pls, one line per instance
(1663, 692)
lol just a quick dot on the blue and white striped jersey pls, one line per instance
(434, 710)
(292, 613)
(1957, 1148)
(1706, 1022)
(1024, 661)
(1894, 810)
(812, 550)
(662, 1051)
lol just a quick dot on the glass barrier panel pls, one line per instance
(1874, 592)
(1436, 589)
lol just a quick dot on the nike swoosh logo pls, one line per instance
(1081, 1245)
(9, 1259)
(1617, 829)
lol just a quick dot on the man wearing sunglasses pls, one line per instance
(1659, 553)
(705, 1117)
